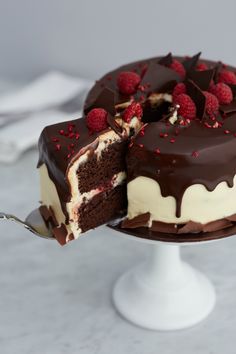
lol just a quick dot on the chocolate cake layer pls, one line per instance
(101, 208)
(98, 172)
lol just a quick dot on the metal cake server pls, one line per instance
(33, 223)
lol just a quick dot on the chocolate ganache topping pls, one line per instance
(176, 153)
(59, 145)
(192, 154)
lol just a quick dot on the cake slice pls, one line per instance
(82, 174)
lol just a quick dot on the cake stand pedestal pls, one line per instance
(164, 293)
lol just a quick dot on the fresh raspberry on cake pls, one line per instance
(212, 103)
(96, 119)
(133, 110)
(178, 67)
(227, 77)
(128, 82)
(178, 90)
(187, 107)
(223, 92)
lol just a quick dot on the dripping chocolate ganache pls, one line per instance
(159, 132)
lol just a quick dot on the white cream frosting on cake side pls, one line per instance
(198, 204)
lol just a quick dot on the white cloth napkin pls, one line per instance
(23, 114)
(20, 136)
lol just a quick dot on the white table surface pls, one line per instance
(56, 300)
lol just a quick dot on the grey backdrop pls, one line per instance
(90, 37)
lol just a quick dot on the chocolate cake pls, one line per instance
(165, 123)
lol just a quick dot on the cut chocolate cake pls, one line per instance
(82, 174)
(168, 123)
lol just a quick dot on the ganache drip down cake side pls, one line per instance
(156, 144)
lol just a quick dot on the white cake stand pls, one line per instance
(164, 293)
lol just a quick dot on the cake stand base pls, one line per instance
(164, 293)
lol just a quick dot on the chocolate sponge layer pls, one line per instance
(102, 208)
(95, 173)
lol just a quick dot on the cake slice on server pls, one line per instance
(82, 169)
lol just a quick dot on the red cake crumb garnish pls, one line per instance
(142, 132)
(201, 67)
(207, 125)
(187, 107)
(133, 110)
(140, 145)
(142, 88)
(61, 132)
(172, 140)
(157, 151)
(71, 135)
(184, 122)
(176, 132)
(131, 144)
(223, 92)
(55, 140)
(216, 125)
(178, 90)
(58, 147)
(128, 82)
(212, 103)
(141, 99)
(178, 67)
(195, 153)
(227, 77)
(163, 135)
(77, 136)
(70, 127)
(226, 131)
(96, 120)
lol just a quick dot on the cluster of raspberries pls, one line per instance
(129, 82)
(97, 118)
(219, 93)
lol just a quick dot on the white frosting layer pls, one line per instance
(198, 204)
(49, 197)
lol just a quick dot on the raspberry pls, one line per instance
(187, 107)
(201, 67)
(133, 110)
(127, 82)
(223, 92)
(97, 119)
(178, 89)
(227, 77)
(178, 67)
(212, 103)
